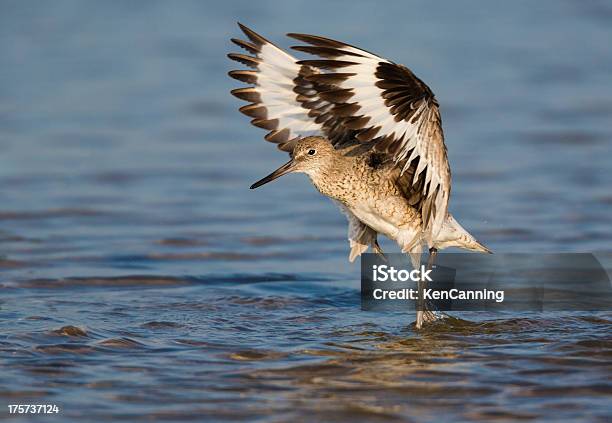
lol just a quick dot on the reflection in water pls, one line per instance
(140, 279)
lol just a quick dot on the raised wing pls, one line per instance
(284, 96)
(385, 103)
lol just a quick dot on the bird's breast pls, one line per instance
(372, 196)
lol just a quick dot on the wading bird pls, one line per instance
(365, 130)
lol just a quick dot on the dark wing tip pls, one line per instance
(250, 61)
(326, 64)
(317, 40)
(278, 137)
(253, 36)
(247, 76)
(327, 52)
(247, 94)
(269, 124)
(255, 111)
(251, 48)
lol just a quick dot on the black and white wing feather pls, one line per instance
(388, 105)
(284, 96)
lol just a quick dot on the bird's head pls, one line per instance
(311, 155)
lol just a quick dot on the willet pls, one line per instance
(366, 131)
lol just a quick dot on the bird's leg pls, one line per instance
(433, 253)
(423, 312)
(376, 248)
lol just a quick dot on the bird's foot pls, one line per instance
(424, 314)
(428, 316)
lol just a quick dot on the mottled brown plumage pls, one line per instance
(370, 191)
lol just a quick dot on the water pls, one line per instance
(141, 279)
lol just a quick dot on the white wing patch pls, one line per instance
(274, 102)
(275, 83)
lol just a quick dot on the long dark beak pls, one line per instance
(284, 169)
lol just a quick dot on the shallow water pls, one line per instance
(141, 279)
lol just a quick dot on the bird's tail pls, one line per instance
(453, 234)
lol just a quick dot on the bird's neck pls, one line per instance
(330, 180)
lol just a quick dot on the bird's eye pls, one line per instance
(312, 152)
